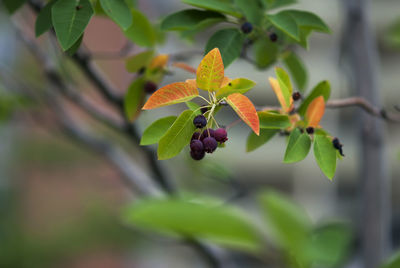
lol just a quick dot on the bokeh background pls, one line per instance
(60, 201)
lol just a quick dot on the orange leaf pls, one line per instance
(210, 72)
(226, 81)
(171, 94)
(184, 66)
(159, 61)
(278, 92)
(315, 111)
(246, 110)
(192, 82)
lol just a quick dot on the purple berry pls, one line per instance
(221, 135)
(209, 132)
(200, 121)
(196, 146)
(296, 96)
(246, 27)
(195, 136)
(197, 155)
(273, 37)
(310, 130)
(210, 144)
(150, 87)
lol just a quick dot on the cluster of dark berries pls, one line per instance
(205, 141)
(338, 146)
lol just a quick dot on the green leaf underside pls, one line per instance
(200, 27)
(271, 4)
(322, 89)
(264, 60)
(252, 10)
(157, 130)
(177, 136)
(193, 106)
(13, 5)
(298, 146)
(44, 21)
(254, 141)
(270, 120)
(188, 19)
(285, 23)
(288, 221)
(214, 5)
(118, 11)
(74, 48)
(308, 20)
(229, 42)
(70, 22)
(297, 69)
(325, 155)
(285, 84)
(195, 219)
(141, 32)
(134, 98)
(138, 61)
(238, 85)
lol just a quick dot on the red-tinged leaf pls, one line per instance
(225, 82)
(171, 94)
(210, 73)
(315, 111)
(192, 82)
(159, 62)
(286, 107)
(245, 109)
(184, 66)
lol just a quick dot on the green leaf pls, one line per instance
(156, 130)
(308, 20)
(188, 19)
(177, 137)
(195, 218)
(322, 89)
(297, 69)
(215, 5)
(194, 107)
(298, 146)
(286, 23)
(43, 21)
(262, 59)
(134, 99)
(288, 221)
(72, 50)
(325, 155)
(229, 42)
(141, 31)
(70, 22)
(188, 34)
(285, 84)
(13, 5)
(251, 9)
(118, 11)
(254, 141)
(271, 4)
(272, 120)
(393, 262)
(138, 61)
(238, 85)
(328, 244)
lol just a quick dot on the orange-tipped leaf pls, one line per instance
(210, 73)
(171, 94)
(184, 66)
(315, 111)
(246, 110)
(278, 92)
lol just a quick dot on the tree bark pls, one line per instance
(362, 56)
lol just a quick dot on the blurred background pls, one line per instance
(60, 201)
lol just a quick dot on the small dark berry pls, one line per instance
(338, 146)
(203, 109)
(78, 7)
(246, 27)
(142, 70)
(150, 87)
(210, 144)
(195, 136)
(197, 155)
(310, 130)
(273, 37)
(221, 135)
(196, 146)
(200, 121)
(296, 96)
(209, 132)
